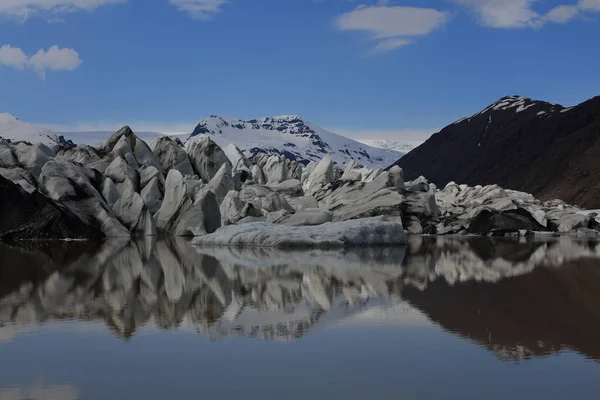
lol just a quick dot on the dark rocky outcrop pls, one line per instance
(35, 216)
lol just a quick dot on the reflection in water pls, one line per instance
(39, 391)
(518, 299)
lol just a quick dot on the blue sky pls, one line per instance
(378, 68)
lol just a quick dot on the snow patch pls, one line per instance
(293, 137)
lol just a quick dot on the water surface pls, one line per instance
(442, 318)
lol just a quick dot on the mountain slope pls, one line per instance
(14, 130)
(293, 137)
(518, 143)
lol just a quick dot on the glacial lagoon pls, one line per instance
(442, 318)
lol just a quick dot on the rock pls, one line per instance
(254, 195)
(148, 173)
(291, 187)
(124, 149)
(303, 203)
(71, 185)
(258, 175)
(321, 175)
(152, 195)
(110, 192)
(337, 172)
(412, 225)
(221, 183)
(352, 173)
(203, 218)
(351, 199)
(206, 156)
(133, 214)
(123, 175)
(145, 156)
(370, 231)
(133, 150)
(370, 176)
(422, 204)
(418, 185)
(275, 217)
(171, 155)
(308, 217)
(490, 221)
(275, 202)
(231, 208)
(19, 176)
(240, 178)
(278, 169)
(179, 198)
(396, 177)
(236, 157)
(7, 156)
(33, 157)
(34, 216)
(82, 154)
(571, 222)
(250, 219)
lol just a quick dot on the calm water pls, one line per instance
(441, 319)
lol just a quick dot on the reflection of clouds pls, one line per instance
(40, 392)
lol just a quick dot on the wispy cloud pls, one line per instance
(589, 5)
(510, 14)
(200, 9)
(53, 59)
(391, 26)
(24, 9)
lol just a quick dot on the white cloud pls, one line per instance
(386, 22)
(521, 14)
(13, 57)
(390, 25)
(504, 13)
(562, 14)
(589, 5)
(200, 9)
(26, 8)
(53, 59)
(390, 44)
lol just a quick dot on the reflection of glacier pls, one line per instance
(276, 294)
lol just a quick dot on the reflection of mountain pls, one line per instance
(517, 299)
(535, 314)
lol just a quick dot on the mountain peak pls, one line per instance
(292, 137)
(519, 104)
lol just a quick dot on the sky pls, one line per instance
(370, 69)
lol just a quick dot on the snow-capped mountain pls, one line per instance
(14, 130)
(293, 137)
(395, 145)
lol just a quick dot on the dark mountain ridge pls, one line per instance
(518, 143)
